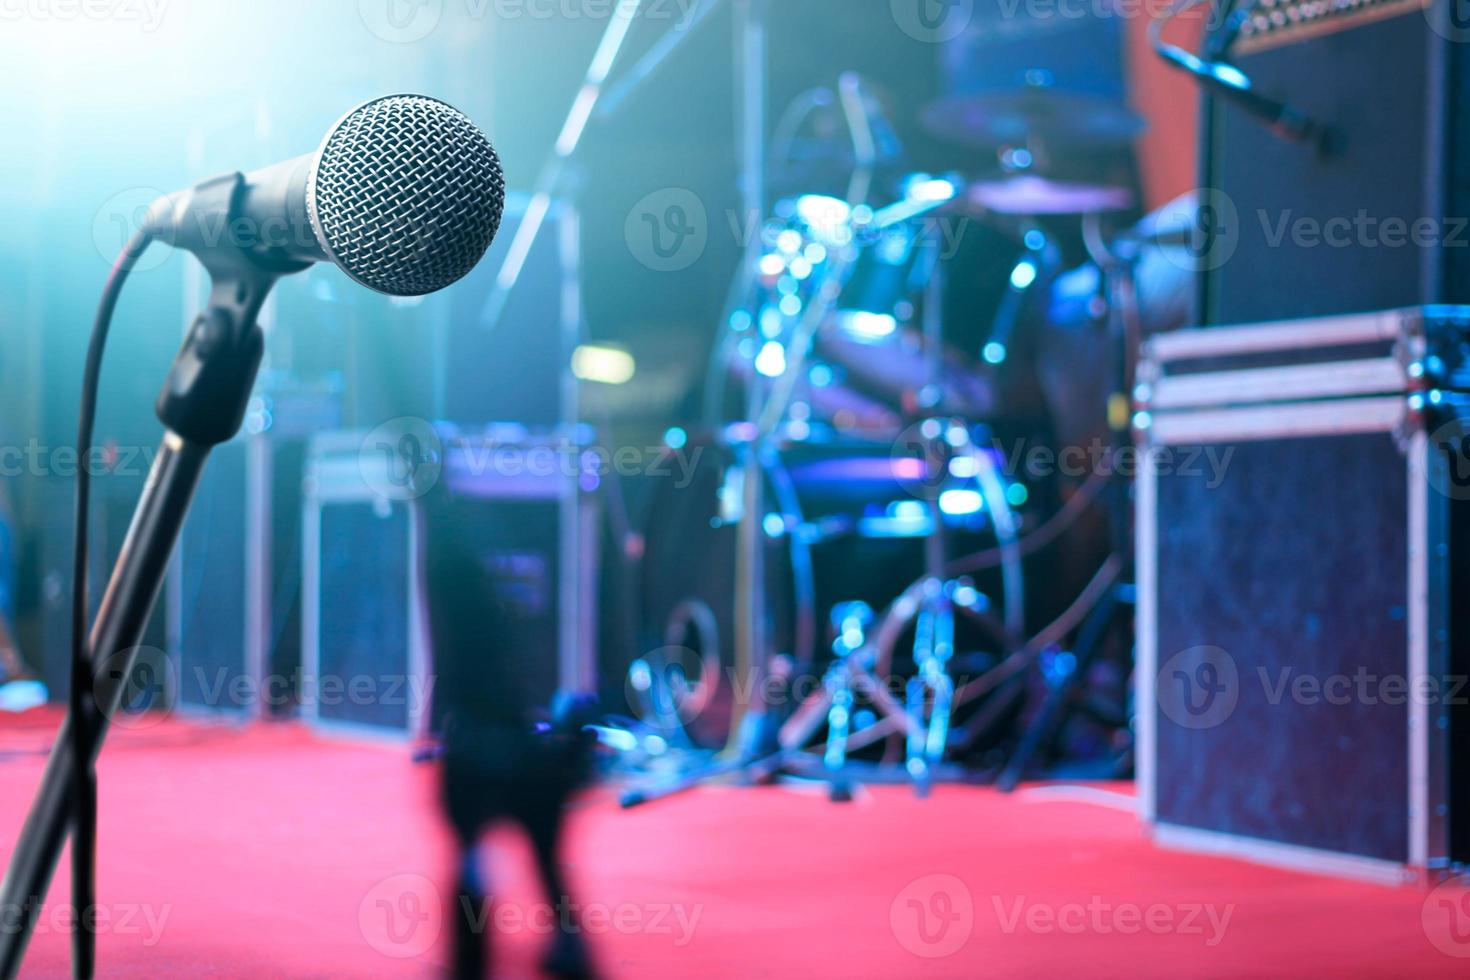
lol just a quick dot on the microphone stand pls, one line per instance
(202, 404)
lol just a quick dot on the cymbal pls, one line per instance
(1032, 195)
(1016, 117)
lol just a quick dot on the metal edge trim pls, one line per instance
(1287, 420)
(1146, 641)
(256, 660)
(420, 666)
(1418, 643)
(1276, 335)
(1328, 379)
(1275, 854)
(311, 599)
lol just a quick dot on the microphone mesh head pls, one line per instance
(407, 194)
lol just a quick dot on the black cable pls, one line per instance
(1229, 82)
(82, 704)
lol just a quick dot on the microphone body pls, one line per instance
(267, 217)
(405, 194)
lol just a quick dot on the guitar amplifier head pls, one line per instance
(1274, 23)
(1372, 217)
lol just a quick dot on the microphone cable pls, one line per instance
(1227, 81)
(82, 702)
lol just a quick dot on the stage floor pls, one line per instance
(268, 851)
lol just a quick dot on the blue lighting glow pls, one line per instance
(908, 510)
(771, 361)
(1023, 275)
(827, 217)
(958, 503)
(1231, 76)
(932, 191)
(864, 325)
(994, 353)
(964, 467)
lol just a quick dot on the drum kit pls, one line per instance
(839, 591)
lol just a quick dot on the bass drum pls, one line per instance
(845, 523)
(685, 684)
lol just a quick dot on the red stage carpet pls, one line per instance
(270, 852)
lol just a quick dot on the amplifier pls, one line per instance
(522, 505)
(1271, 23)
(234, 588)
(1303, 525)
(1375, 218)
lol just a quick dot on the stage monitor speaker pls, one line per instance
(1302, 550)
(1373, 219)
(520, 506)
(234, 589)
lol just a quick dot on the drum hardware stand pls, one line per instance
(749, 752)
(1119, 292)
(924, 717)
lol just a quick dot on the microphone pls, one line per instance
(404, 193)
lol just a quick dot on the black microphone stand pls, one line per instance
(202, 404)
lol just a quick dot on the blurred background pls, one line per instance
(792, 426)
